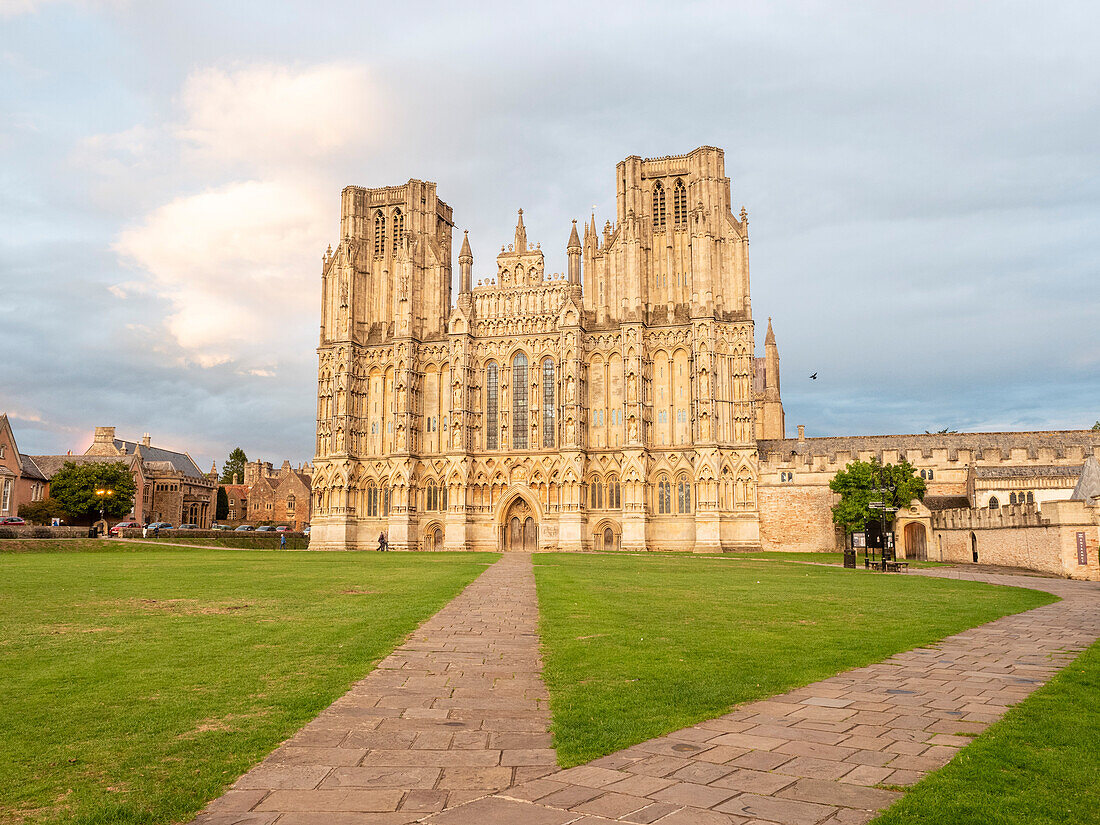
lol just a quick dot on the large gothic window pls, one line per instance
(548, 407)
(664, 496)
(398, 229)
(658, 206)
(372, 500)
(519, 402)
(614, 502)
(679, 204)
(683, 490)
(492, 423)
(379, 233)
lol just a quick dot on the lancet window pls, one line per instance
(548, 405)
(519, 402)
(492, 422)
(379, 233)
(683, 490)
(398, 229)
(664, 496)
(658, 206)
(679, 204)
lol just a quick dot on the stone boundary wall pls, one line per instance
(135, 533)
(1019, 536)
(30, 531)
(798, 517)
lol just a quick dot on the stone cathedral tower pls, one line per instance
(614, 406)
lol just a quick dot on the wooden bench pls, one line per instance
(896, 566)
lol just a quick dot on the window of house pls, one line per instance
(492, 387)
(993, 503)
(519, 401)
(5, 501)
(290, 505)
(1011, 498)
(1030, 497)
(2, 448)
(548, 406)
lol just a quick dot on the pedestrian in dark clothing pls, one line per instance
(381, 542)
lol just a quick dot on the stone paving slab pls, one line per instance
(815, 755)
(457, 712)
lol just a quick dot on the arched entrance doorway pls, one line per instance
(433, 538)
(520, 530)
(915, 544)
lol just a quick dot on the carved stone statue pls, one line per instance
(633, 430)
(570, 390)
(632, 387)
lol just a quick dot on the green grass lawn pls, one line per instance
(137, 683)
(1036, 766)
(820, 558)
(637, 646)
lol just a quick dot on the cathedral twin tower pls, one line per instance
(616, 406)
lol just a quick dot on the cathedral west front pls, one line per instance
(617, 405)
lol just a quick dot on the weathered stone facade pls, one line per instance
(616, 405)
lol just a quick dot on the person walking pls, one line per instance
(381, 542)
(145, 530)
(282, 541)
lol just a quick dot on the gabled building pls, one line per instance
(21, 480)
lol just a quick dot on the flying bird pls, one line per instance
(813, 377)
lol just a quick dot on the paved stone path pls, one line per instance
(813, 755)
(450, 729)
(456, 713)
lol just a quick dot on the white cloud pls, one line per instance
(273, 114)
(236, 263)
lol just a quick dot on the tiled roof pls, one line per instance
(30, 469)
(181, 462)
(49, 465)
(935, 503)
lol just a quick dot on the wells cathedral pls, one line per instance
(619, 405)
(616, 405)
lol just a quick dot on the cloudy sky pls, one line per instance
(922, 180)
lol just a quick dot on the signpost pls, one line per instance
(1082, 549)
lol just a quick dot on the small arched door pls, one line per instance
(521, 531)
(608, 539)
(915, 544)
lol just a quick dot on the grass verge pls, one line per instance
(635, 647)
(139, 683)
(1036, 766)
(246, 541)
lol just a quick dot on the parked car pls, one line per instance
(265, 528)
(124, 525)
(221, 527)
(243, 528)
(12, 520)
(160, 525)
(282, 528)
(188, 527)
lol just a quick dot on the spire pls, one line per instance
(521, 235)
(465, 264)
(465, 252)
(769, 341)
(574, 241)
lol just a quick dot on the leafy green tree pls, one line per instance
(860, 483)
(234, 465)
(74, 487)
(221, 510)
(1096, 426)
(42, 512)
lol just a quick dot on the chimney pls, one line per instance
(104, 435)
(145, 440)
(801, 432)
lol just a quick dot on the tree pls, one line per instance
(234, 466)
(1096, 426)
(856, 484)
(221, 511)
(42, 512)
(944, 431)
(74, 487)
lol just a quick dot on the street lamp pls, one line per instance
(104, 494)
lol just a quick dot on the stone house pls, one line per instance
(21, 480)
(280, 498)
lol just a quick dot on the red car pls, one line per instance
(12, 520)
(124, 525)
